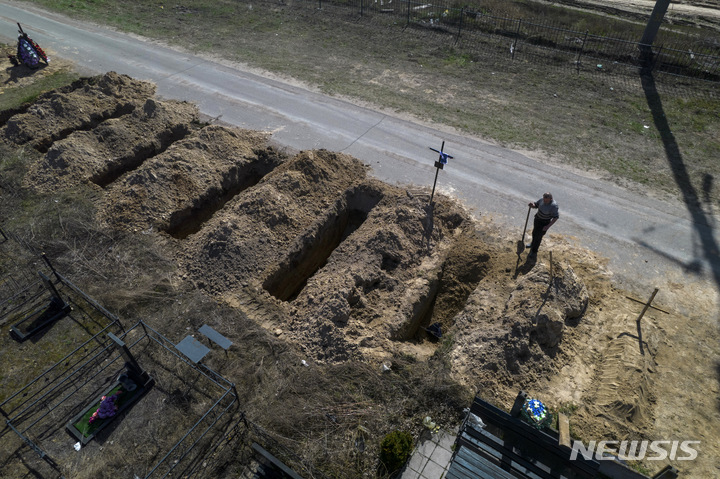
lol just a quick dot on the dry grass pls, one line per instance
(332, 417)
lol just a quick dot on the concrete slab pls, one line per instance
(431, 457)
(433, 470)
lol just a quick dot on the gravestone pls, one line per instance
(42, 317)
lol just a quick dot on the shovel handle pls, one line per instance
(526, 222)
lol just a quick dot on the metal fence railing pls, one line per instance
(479, 32)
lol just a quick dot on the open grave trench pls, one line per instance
(310, 252)
(80, 106)
(313, 249)
(178, 190)
(343, 260)
(340, 263)
(116, 146)
(311, 234)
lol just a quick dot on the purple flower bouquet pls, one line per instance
(108, 408)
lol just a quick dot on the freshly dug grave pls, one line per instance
(341, 266)
(81, 106)
(118, 145)
(174, 191)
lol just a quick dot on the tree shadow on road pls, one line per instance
(702, 220)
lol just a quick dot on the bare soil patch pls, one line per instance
(342, 267)
(685, 12)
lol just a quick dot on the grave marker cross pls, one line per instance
(441, 161)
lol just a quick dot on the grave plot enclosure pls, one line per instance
(43, 315)
(159, 425)
(125, 394)
(44, 318)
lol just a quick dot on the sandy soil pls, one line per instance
(343, 266)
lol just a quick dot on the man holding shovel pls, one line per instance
(546, 216)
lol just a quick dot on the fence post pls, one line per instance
(462, 15)
(517, 35)
(657, 57)
(408, 14)
(319, 4)
(582, 48)
(361, 7)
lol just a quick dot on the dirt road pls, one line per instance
(698, 13)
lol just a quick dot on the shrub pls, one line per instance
(395, 450)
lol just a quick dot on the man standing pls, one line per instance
(546, 216)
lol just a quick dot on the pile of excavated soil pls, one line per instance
(81, 106)
(343, 266)
(174, 190)
(101, 155)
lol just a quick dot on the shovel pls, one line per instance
(521, 243)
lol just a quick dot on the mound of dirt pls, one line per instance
(257, 228)
(342, 266)
(116, 146)
(82, 106)
(174, 190)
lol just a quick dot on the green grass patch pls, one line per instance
(87, 428)
(14, 97)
